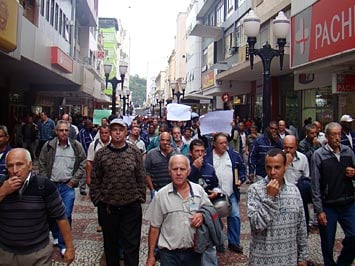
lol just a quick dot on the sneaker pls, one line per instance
(62, 251)
(235, 248)
(55, 242)
(99, 229)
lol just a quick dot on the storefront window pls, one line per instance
(318, 104)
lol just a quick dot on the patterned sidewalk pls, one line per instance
(89, 243)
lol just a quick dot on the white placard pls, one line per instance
(178, 112)
(217, 121)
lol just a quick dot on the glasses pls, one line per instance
(63, 130)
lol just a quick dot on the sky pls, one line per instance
(151, 26)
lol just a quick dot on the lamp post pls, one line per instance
(124, 96)
(160, 102)
(281, 26)
(114, 81)
(175, 85)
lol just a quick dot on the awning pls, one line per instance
(206, 31)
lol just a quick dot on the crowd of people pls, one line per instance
(194, 181)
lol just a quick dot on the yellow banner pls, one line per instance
(8, 24)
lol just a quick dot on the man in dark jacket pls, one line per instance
(231, 173)
(270, 139)
(203, 173)
(332, 172)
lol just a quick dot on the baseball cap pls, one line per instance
(118, 121)
(346, 118)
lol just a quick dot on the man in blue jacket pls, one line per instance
(231, 173)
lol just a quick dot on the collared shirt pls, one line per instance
(139, 143)
(337, 155)
(92, 149)
(172, 214)
(297, 168)
(224, 171)
(63, 164)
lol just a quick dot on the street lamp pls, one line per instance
(124, 95)
(281, 26)
(175, 85)
(160, 102)
(114, 81)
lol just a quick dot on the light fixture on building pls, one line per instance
(281, 26)
(114, 81)
(175, 89)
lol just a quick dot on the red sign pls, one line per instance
(226, 97)
(100, 54)
(61, 60)
(345, 83)
(322, 30)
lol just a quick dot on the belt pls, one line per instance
(177, 249)
(61, 182)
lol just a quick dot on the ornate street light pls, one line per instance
(176, 86)
(160, 101)
(114, 81)
(281, 26)
(124, 96)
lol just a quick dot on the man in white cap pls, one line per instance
(347, 134)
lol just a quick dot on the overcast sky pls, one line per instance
(152, 29)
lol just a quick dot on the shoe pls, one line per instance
(83, 193)
(62, 251)
(235, 248)
(55, 242)
(99, 229)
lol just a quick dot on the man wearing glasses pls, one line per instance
(270, 139)
(63, 160)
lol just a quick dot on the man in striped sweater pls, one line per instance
(26, 203)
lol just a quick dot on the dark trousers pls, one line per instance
(179, 257)
(304, 186)
(121, 225)
(346, 217)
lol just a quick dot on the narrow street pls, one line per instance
(89, 244)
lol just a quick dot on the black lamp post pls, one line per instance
(124, 96)
(160, 102)
(175, 85)
(281, 25)
(114, 81)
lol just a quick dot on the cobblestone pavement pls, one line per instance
(89, 243)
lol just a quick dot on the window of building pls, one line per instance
(42, 8)
(220, 14)
(240, 37)
(47, 10)
(52, 12)
(60, 25)
(230, 6)
(228, 42)
(56, 16)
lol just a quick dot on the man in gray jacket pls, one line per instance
(63, 160)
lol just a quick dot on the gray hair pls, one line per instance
(330, 126)
(27, 154)
(4, 128)
(60, 122)
(181, 156)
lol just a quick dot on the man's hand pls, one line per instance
(322, 218)
(150, 261)
(69, 255)
(273, 188)
(196, 220)
(198, 162)
(212, 194)
(12, 184)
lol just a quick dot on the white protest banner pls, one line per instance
(178, 112)
(217, 121)
(128, 119)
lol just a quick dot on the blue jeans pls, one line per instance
(68, 197)
(209, 257)
(179, 257)
(345, 215)
(233, 222)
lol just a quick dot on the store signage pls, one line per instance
(101, 54)
(345, 83)
(226, 97)
(208, 79)
(8, 25)
(61, 60)
(324, 29)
